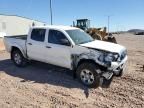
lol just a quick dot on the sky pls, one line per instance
(124, 14)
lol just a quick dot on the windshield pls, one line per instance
(79, 36)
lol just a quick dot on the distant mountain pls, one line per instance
(136, 31)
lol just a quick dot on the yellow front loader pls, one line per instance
(96, 33)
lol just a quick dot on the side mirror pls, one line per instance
(65, 42)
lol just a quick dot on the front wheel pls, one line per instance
(88, 75)
(119, 74)
(18, 58)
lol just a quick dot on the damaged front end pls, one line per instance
(110, 64)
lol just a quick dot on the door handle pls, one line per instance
(30, 43)
(48, 47)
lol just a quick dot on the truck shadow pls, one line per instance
(38, 72)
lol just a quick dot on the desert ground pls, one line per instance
(1, 44)
(41, 85)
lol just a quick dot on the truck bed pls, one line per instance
(23, 37)
(18, 40)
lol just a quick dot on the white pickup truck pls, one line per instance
(69, 47)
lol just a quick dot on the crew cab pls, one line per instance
(69, 47)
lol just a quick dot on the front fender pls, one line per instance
(76, 58)
(91, 55)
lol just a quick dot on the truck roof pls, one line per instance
(56, 27)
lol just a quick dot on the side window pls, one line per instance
(38, 35)
(57, 37)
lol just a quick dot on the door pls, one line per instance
(36, 44)
(58, 49)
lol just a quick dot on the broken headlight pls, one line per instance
(107, 58)
(111, 57)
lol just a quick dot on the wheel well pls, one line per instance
(13, 49)
(86, 61)
(90, 61)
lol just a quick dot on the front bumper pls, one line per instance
(115, 68)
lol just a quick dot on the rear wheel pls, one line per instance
(18, 58)
(110, 39)
(98, 37)
(88, 75)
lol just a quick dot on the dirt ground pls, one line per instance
(42, 86)
(1, 44)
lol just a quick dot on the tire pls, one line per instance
(98, 37)
(18, 58)
(120, 74)
(88, 75)
(106, 83)
(111, 39)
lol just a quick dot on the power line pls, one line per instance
(108, 23)
(51, 12)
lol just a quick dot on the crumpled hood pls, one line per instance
(106, 46)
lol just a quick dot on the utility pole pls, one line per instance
(108, 25)
(51, 14)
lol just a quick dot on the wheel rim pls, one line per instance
(17, 58)
(87, 77)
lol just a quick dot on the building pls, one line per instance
(2, 34)
(16, 25)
